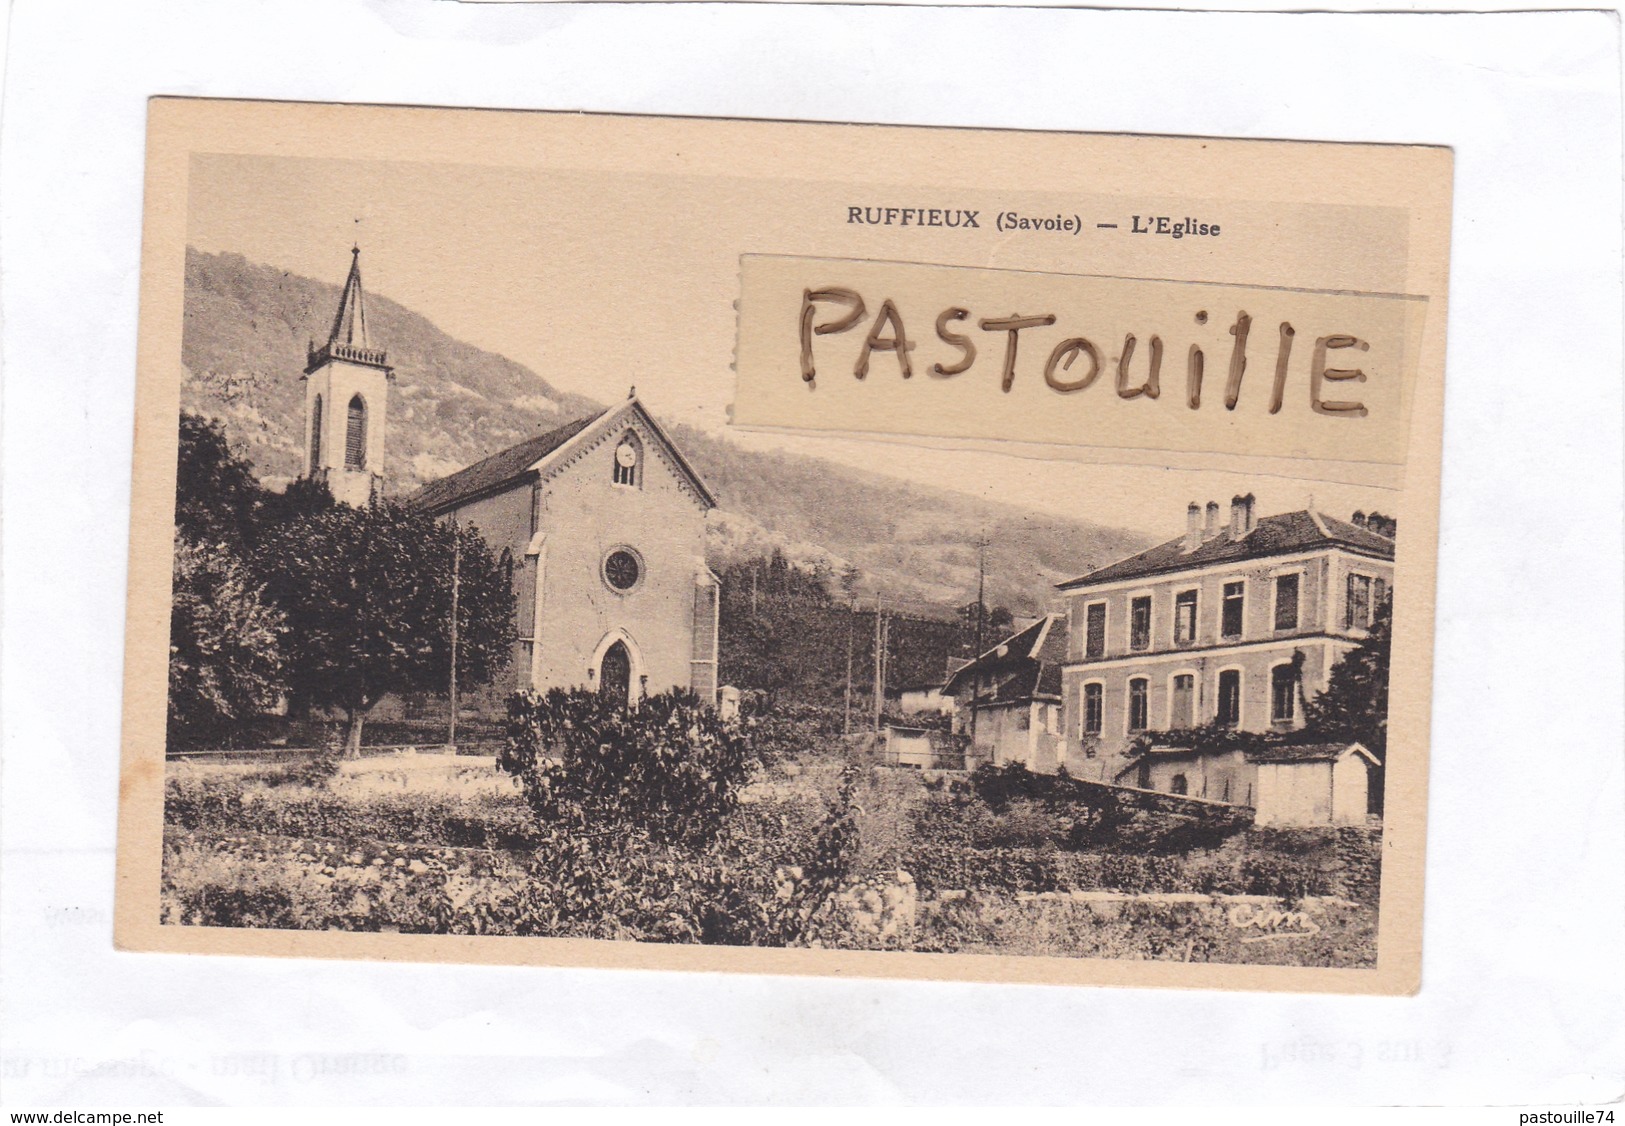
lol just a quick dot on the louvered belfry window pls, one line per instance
(316, 435)
(355, 435)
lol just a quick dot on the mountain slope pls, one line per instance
(243, 349)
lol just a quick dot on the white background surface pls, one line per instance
(1524, 978)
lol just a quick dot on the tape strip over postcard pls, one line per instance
(957, 352)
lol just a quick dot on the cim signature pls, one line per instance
(1277, 923)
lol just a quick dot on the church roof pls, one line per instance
(350, 326)
(523, 461)
(1275, 535)
(349, 339)
(497, 470)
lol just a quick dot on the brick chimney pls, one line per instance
(1193, 526)
(1212, 519)
(1243, 515)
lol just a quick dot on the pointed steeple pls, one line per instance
(350, 326)
(349, 340)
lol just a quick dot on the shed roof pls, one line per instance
(1271, 753)
(1307, 752)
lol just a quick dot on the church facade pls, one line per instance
(602, 521)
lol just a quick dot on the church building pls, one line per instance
(602, 519)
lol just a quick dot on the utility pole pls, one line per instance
(851, 639)
(456, 562)
(981, 613)
(981, 589)
(880, 669)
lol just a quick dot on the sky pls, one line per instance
(598, 283)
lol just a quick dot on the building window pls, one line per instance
(1230, 616)
(535, 509)
(1139, 627)
(1138, 704)
(1094, 709)
(1179, 785)
(1182, 707)
(1185, 617)
(1230, 698)
(1094, 630)
(1286, 602)
(1283, 693)
(629, 461)
(316, 436)
(355, 435)
(1357, 606)
(622, 569)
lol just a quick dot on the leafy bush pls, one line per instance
(669, 768)
(998, 786)
(1210, 738)
(955, 868)
(766, 878)
(1179, 932)
(787, 732)
(322, 766)
(224, 805)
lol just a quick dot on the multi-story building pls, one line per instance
(1236, 623)
(1010, 697)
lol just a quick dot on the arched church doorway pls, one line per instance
(615, 673)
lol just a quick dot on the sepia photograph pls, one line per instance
(865, 555)
(486, 617)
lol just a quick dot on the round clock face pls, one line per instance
(622, 570)
(626, 456)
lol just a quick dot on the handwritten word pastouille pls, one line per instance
(1076, 362)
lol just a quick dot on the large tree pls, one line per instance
(367, 593)
(217, 499)
(1354, 706)
(225, 663)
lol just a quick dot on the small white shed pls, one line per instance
(1313, 784)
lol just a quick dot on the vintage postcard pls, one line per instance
(787, 548)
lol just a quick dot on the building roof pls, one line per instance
(1274, 535)
(349, 339)
(1307, 752)
(1029, 660)
(512, 464)
(350, 326)
(523, 462)
(1269, 753)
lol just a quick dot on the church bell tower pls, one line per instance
(347, 402)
